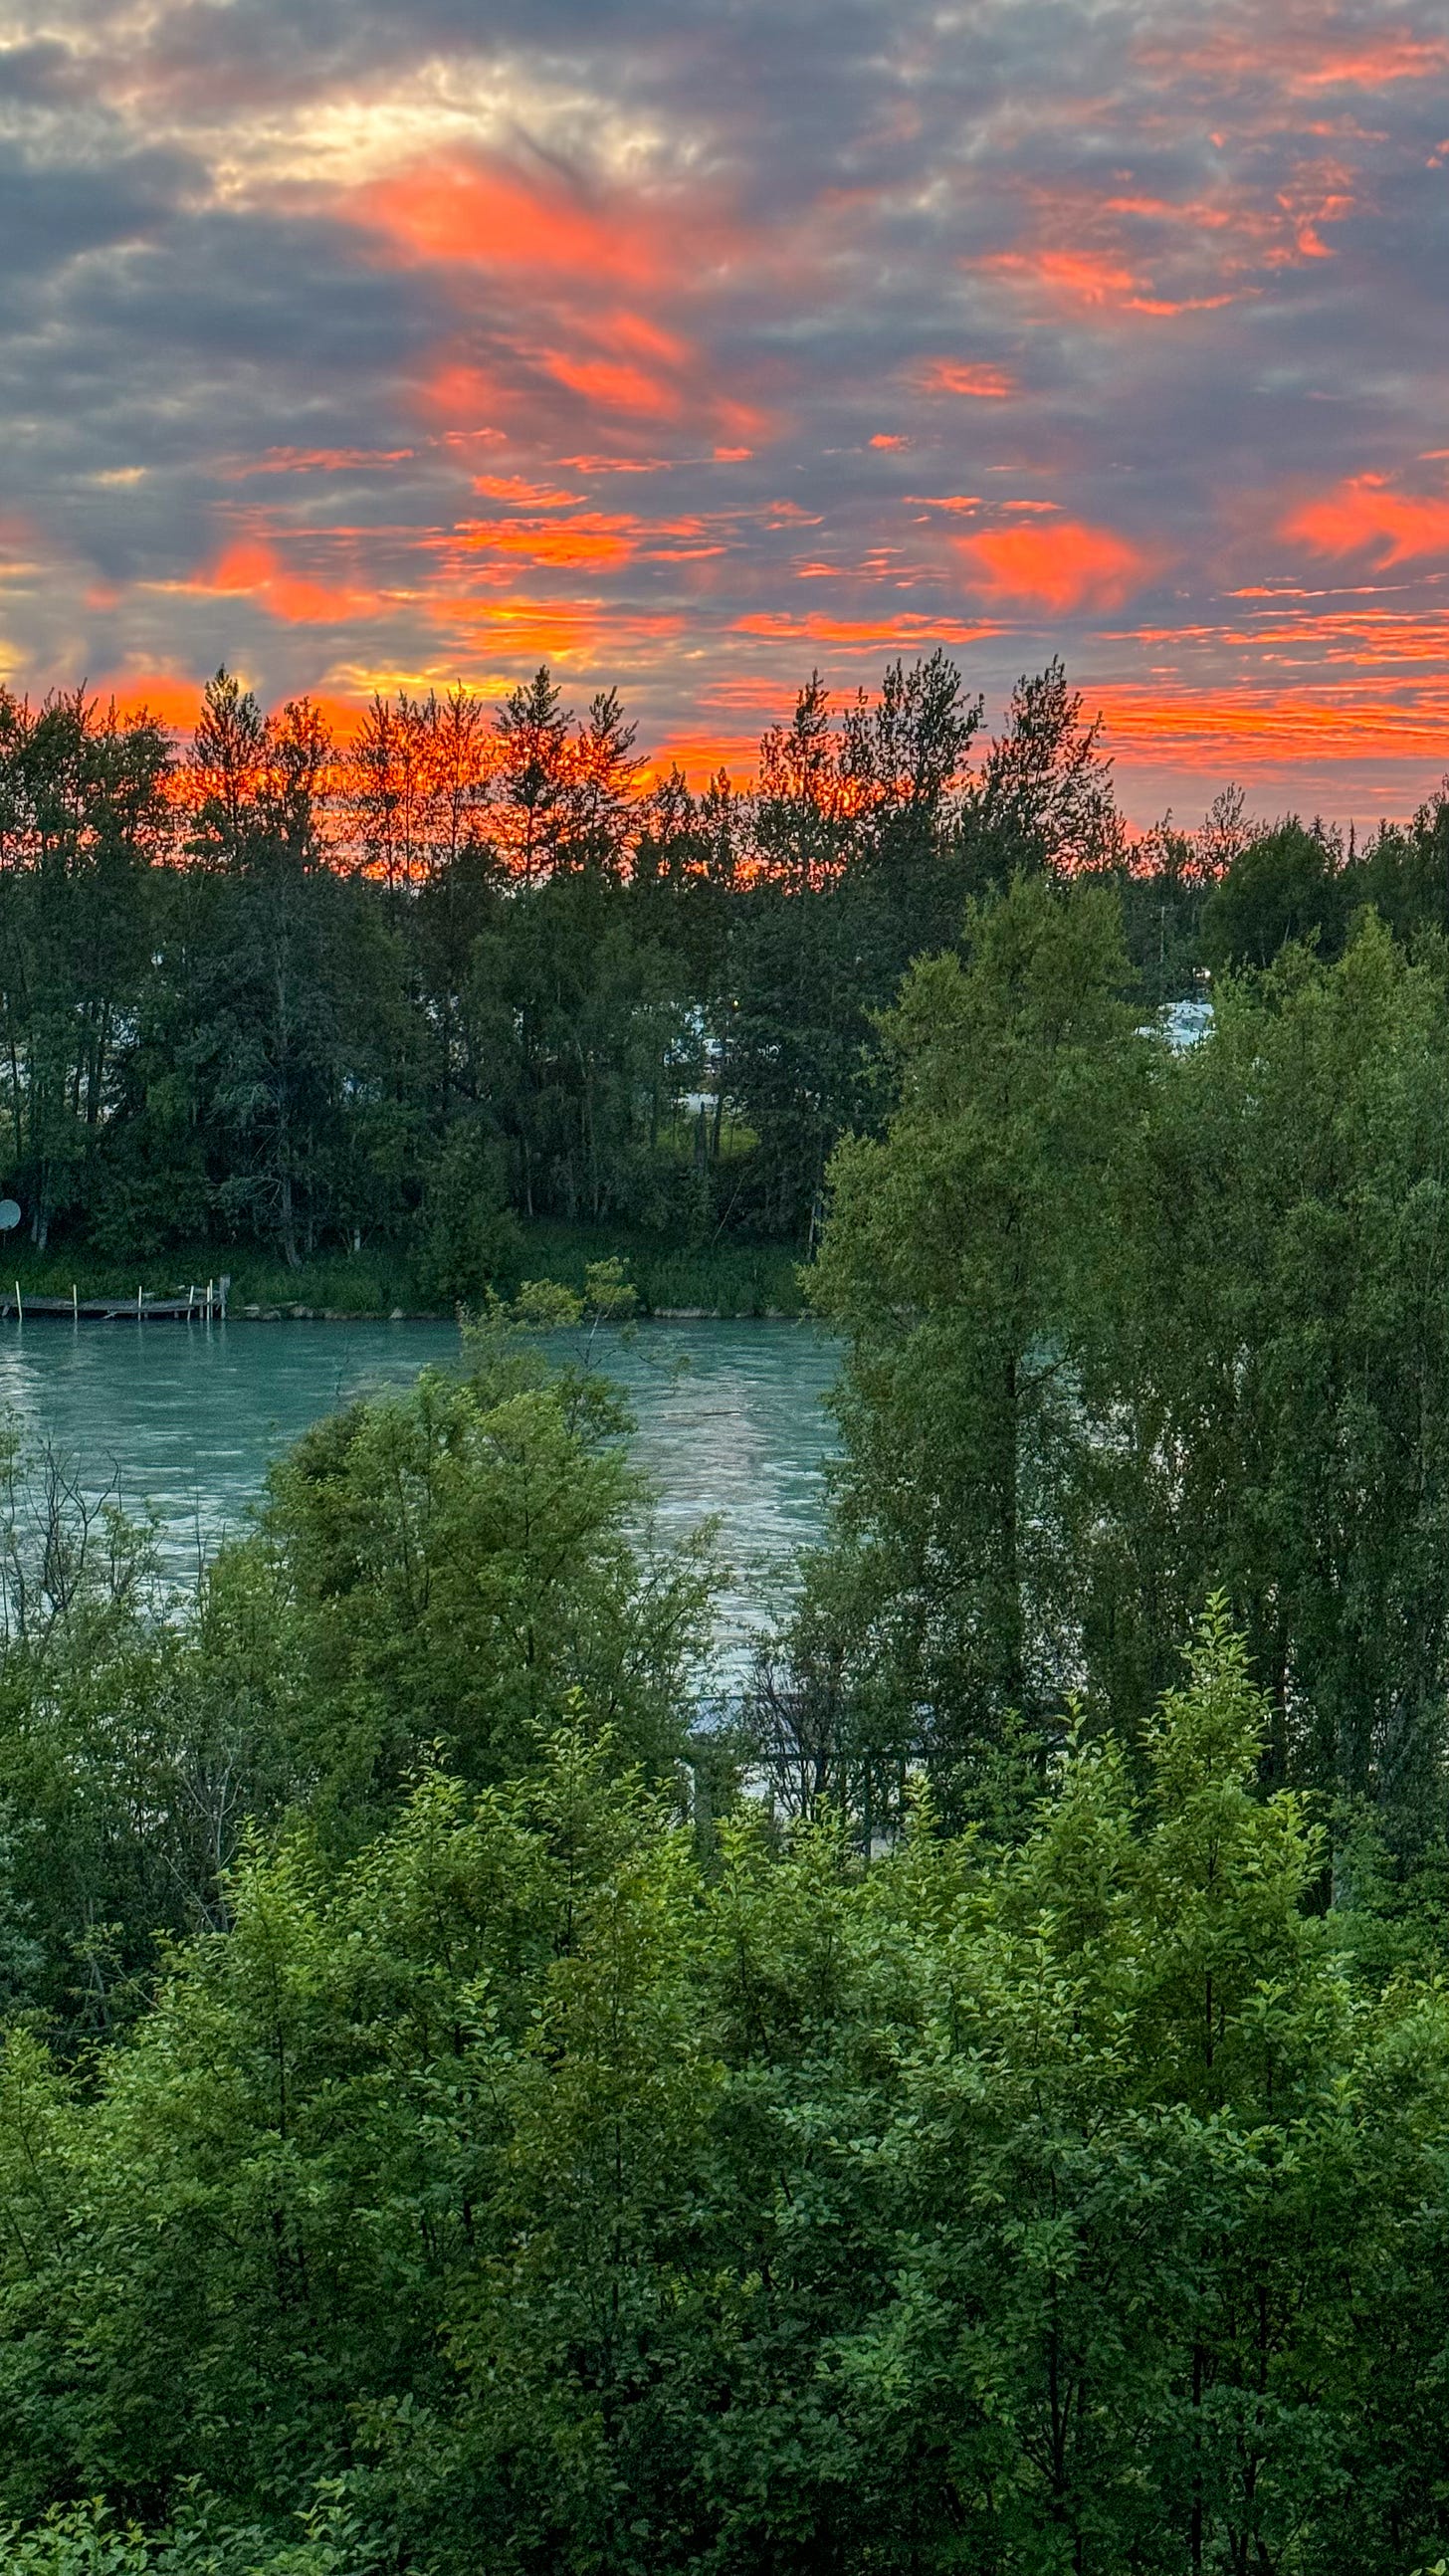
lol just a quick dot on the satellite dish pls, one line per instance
(9, 1216)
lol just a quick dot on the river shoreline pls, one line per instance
(741, 1280)
(434, 1315)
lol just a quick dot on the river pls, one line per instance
(184, 1419)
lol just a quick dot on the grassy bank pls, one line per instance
(724, 1279)
(727, 1279)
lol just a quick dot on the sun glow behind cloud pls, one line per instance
(688, 354)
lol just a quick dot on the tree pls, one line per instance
(468, 1234)
(455, 1570)
(1285, 885)
(967, 1258)
(1044, 796)
(534, 782)
(1404, 874)
(289, 974)
(603, 794)
(517, 2186)
(854, 873)
(82, 820)
(1284, 1373)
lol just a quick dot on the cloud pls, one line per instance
(972, 383)
(616, 384)
(1064, 567)
(582, 537)
(466, 213)
(533, 496)
(1221, 732)
(251, 569)
(346, 340)
(907, 631)
(1365, 515)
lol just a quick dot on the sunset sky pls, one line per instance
(689, 343)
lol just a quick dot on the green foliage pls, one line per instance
(966, 1257)
(565, 2206)
(286, 999)
(1283, 1379)
(1285, 886)
(297, 998)
(723, 1278)
(469, 1238)
(446, 1574)
(1127, 1324)
(1404, 873)
(449, 1569)
(90, 2540)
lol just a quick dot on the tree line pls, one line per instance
(476, 965)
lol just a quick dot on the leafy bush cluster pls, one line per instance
(522, 2193)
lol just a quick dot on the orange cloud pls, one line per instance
(176, 702)
(461, 394)
(1068, 276)
(251, 569)
(1064, 567)
(1371, 642)
(554, 630)
(565, 259)
(616, 386)
(161, 694)
(322, 460)
(1302, 60)
(976, 384)
(472, 214)
(586, 538)
(1373, 66)
(889, 634)
(1134, 253)
(1094, 281)
(534, 496)
(1217, 730)
(618, 363)
(702, 756)
(624, 464)
(646, 339)
(1363, 512)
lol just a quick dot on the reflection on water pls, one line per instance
(186, 1419)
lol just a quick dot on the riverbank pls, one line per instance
(728, 1280)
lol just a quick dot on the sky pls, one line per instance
(688, 345)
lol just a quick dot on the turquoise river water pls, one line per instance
(186, 1418)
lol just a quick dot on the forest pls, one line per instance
(394, 1004)
(984, 2106)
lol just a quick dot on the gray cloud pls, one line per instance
(1186, 273)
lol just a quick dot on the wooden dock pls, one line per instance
(203, 1305)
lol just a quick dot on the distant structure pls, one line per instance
(1185, 1024)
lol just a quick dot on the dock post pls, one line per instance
(223, 1288)
(75, 1301)
(210, 1285)
(138, 1301)
(19, 1304)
